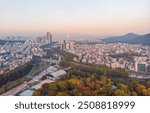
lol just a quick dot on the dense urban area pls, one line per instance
(42, 67)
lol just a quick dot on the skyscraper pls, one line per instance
(40, 39)
(49, 37)
(63, 45)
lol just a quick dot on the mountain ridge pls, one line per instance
(130, 38)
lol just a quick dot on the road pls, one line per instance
(24, 86)
(15, 90)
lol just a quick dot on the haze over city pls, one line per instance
(75, 48)
(95, 17)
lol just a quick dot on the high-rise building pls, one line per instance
(39, 39)
(63, 45)
(49, 37)
(68, 46)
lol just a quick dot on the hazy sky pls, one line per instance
(75, 16)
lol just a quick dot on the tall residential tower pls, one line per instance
(49, 37)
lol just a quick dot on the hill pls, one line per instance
(144, 40)
(123, 38)
(130, 38)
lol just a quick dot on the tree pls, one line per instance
(139, 89)
(45, 87)
(62, 85)
(148, 92)
(37, 93)
(134, 94)
(107, 90)
(86, 93)
(76, 83)
(53, 87)
(62, 94)
(120, 92)
(124, 88)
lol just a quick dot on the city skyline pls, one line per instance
(99, 17)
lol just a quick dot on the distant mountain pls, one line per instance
(130, 38)
(144, 40)
(123, 38)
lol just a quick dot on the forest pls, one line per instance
(94, 86)
(93, 80)
(15, 77)
(15, 74)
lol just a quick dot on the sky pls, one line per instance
(99, 17)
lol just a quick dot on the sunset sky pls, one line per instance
(75, 16)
